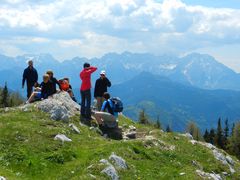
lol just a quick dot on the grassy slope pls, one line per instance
(28, 151)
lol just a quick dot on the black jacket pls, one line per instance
(47, 89)
(101, 86)
(30, 75)
(54, 81)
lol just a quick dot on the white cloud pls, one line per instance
(93, 28)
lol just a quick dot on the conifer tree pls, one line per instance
(5, 96)
(219, 135)
(226, 134)
(206, 136)
(212, 136)
(158, 123)
(142, 117)
(234, 145)
(168, 129)
(194, 131)
(233, 127)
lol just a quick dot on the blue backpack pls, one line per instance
(117, 104)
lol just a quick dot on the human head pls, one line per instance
(67, 79)
(86, 65)
(103, 73)
(50, 73)
(45, 78)
(30, 63)
(106, 95)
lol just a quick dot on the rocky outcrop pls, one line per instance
(60, 106)
(218, 154)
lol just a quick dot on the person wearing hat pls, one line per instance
(85, 89)
(101, 85)
(31, 76)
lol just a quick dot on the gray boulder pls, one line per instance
(118, 161)
(2, 178)
(109, 170)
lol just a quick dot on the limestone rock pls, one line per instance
(118, 161)
(205, 175)
(74, 128)
(109, 170)
(60, 106)
(62, 138)
(2, 178)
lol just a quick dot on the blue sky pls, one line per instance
(91, 28)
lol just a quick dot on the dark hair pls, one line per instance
(86, 65)
(106, 95)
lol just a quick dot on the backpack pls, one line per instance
(117, 104)
(64, 85)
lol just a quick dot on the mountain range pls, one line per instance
(178, 89)
(176, 104)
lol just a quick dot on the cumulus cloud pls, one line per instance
(92, 28)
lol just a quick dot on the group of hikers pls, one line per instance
(106, 113)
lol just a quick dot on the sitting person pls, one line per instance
(109, 118)
(43, 91)
(53, 80)
(66, 86)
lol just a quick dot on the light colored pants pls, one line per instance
(99, 103)
(106, 119)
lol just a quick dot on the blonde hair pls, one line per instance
(45, 76)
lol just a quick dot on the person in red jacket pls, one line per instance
(85, 90)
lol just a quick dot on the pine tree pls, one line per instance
(233, 127)
(168, 129)
(158, 123)
(142, 117)
(212, 136)
(206, 136)
(234, 145)
(226, 134)
(219, 135)
(194, 131)
(5, 96)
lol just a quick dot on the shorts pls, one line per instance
(38, 95)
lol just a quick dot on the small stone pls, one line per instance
(74, 128)
(62, 138)
(176, 138)
(92, 176)
(2, 178)
(183, 173)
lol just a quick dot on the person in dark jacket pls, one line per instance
(54, 81)
(101, 86)
(30, 74)
(43, 91)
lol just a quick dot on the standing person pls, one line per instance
(53, 80)
(100, 88)
(85, 90)
(30, 74)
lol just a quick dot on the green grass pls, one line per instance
(28, 151)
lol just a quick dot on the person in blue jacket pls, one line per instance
(31, 76)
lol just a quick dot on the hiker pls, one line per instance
(107, 116)
(100, 87)
(53, 80)
(30, 74)
(43, 91)
(66, 86)
(85, 90)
